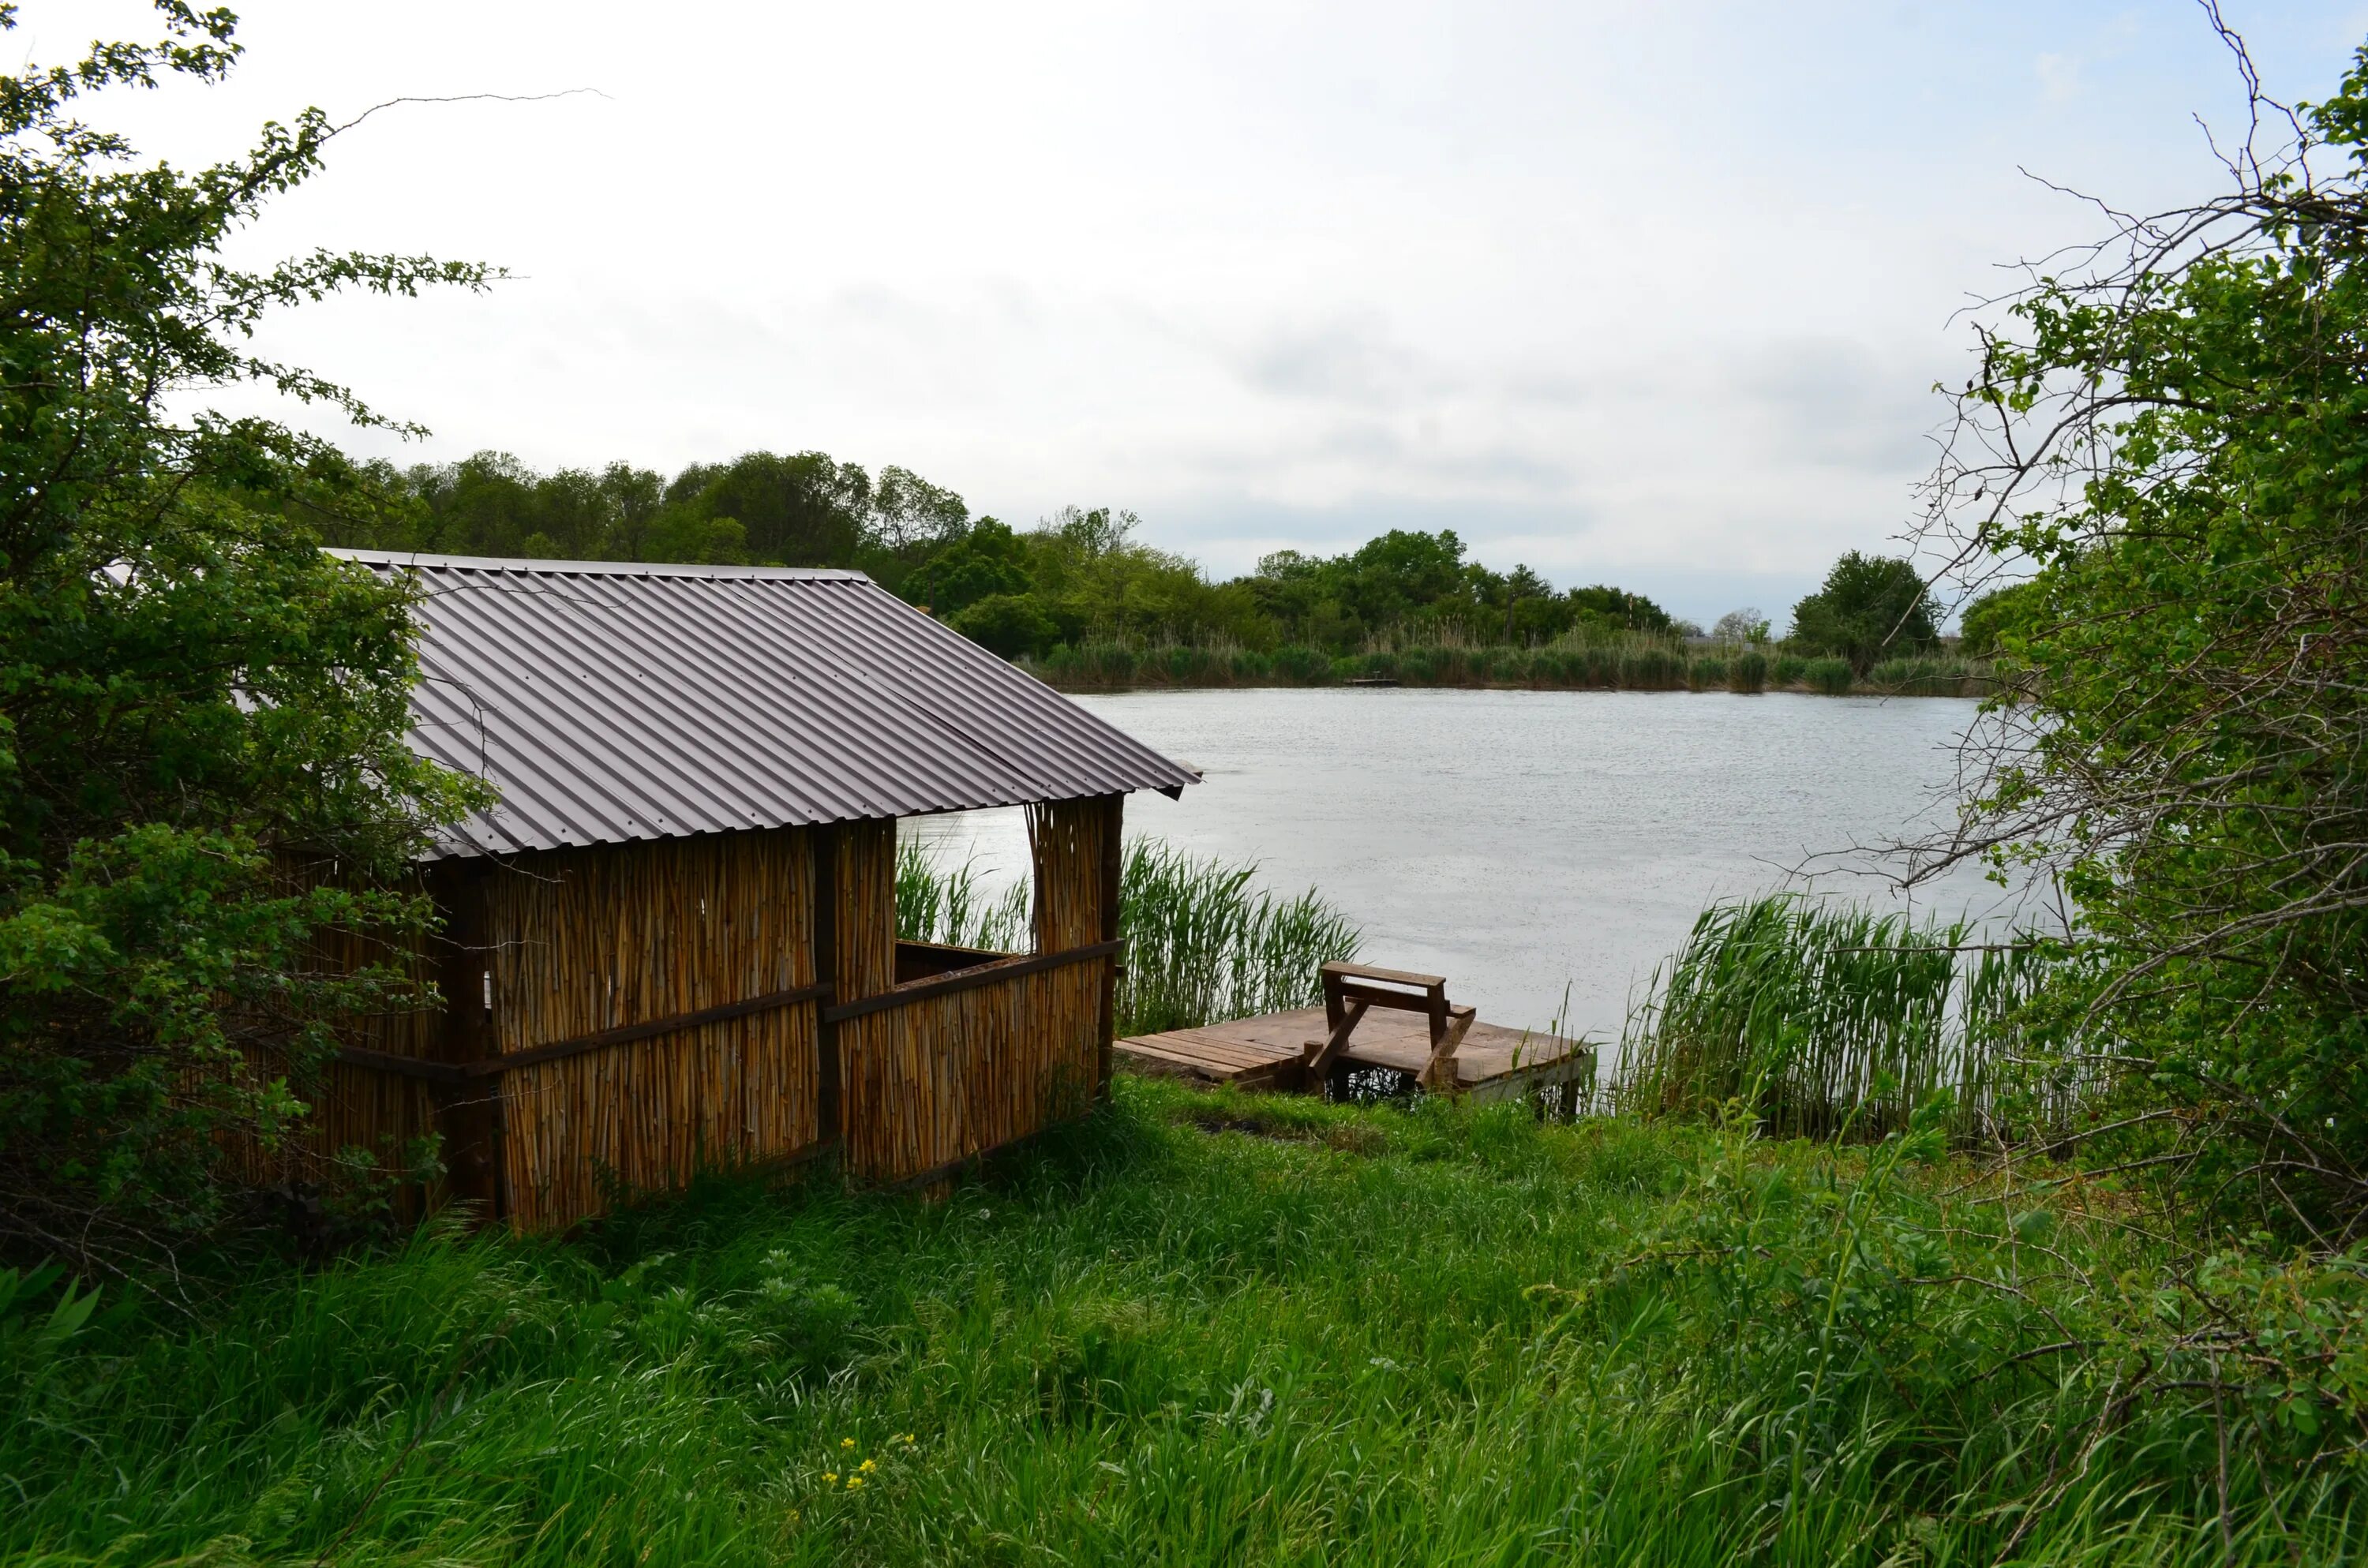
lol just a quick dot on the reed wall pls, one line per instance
(544, 950)
(598, 939)
(932, 1083)
(942, 1080)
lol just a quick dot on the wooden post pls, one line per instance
(824, 885)
(1113, 821)
(469, 1115)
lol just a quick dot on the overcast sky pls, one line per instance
(1646, 294)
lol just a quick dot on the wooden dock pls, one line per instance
(1307, 1049)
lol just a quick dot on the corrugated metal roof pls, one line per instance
(613, 701)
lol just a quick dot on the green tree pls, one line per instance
(190, 692)
(805, 510)
(1008, 624)
(988, 560)
(1997, 614)
(2188, 424)
(1871, 608)
(1617, 610)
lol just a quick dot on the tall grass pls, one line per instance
(1195, 1329)
(1823, 1018)
(954, 905)
(1830, 675)
(1932, 677)
(1204, 941)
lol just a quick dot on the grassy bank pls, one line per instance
(1634, 663)
(1203, 1327)
(1196, 1329)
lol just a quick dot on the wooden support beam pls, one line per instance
(1322, 1052)
(969, 979)
(559, 1051)
(1439, 1073)
(1112, 824)
(469, 1110)
(823, 885)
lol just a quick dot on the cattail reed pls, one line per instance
(1825, 1020)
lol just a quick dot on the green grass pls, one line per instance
(1832, 677)
(1826, 1018)
(1193, 1329)
(1932, 677)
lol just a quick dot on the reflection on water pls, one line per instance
(1522, 843)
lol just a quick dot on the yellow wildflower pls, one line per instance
(906, 1438)
(847, 1442)
(868, 1466)
(830, 1478)
(853, 1482)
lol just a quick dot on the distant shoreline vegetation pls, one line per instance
(1082, 599)
(1637, 661)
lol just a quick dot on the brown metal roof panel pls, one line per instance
(614, 701)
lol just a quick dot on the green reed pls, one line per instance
(955, 905)
(1830, 675)
(1204, 941)
(1826, 1018)
(1932, 677)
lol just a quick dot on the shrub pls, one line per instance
(1007, 624)
(1707, 673)
(1831, 676)
(1747, 671)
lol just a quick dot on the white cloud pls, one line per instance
(1618, 291)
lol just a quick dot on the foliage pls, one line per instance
(190, 693)
(1205, 1328)
(1579, 661)
(1870, 607)
(1991, 618)
(1746, 626)
(2175, 435)
(1421, 582)
(1832, 677)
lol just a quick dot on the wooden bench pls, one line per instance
(1351, 990)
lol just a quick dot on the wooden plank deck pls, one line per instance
(1266, 1052)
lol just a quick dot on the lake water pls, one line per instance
(1543, 850)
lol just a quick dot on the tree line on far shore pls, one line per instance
(1079, 576)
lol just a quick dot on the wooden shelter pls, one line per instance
(672, 942)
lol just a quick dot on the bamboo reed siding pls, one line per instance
(587, 940)
(937, 1082)
(571, 1065)
(941, 1080)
